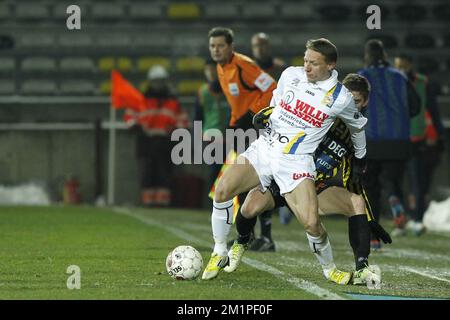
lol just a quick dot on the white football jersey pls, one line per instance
(305, 111)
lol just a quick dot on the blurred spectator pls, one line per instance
(153, 127)
(392, 102)
(213, 110)
(420, 170)
(262, 53)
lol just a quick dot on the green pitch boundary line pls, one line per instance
(299, 283)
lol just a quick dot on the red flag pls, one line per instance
(124, 95)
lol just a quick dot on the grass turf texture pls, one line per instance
(122, 256)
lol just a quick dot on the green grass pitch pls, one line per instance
(121, 253)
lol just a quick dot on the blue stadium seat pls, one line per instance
(411, 12)
(420, 41)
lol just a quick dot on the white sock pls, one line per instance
(321, 248)
(221, 221)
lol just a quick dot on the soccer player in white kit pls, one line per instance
(307, 100)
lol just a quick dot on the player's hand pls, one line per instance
(244, 122)
(261, 119)
(379, 232)
(359, 169)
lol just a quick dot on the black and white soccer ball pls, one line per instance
(184, 263)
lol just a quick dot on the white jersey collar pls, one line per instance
(325, 84)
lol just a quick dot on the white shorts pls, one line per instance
(288, 170)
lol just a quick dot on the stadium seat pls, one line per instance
(218, 11)
(107, 11)
(113, 40)
(38, 40)
(77, 65)
(38, 64)
(189, 87)
(7, 87)
(333, 13)
(442, 12)
(189, 43)
(77, 87)
(190, 65)
(106, 64)
(147, 11)
(145, 63)
(39, 87)
(183, 11)
(105, 87)
(411, 13)
(389, 41)
(124, 64)
(5, 11)
(153, 41)
(7, 65)
(75, 40)
(258, 11)
(420, 41)
(297, 11)
(31, 11)
(446, 40)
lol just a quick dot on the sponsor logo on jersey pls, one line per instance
(233, 88)
(297, 176)
(272, 134)
(305, 112)
(309, 92)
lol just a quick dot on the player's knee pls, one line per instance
(358, 205)
(251, 209)
(222, 193)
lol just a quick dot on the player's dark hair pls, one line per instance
(325, 47)
(222, 32)
(374, 52)
(356, 82)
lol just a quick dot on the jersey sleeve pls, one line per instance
(255, 76)
(355, 122)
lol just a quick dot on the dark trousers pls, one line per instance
(387, 175)
(417, 179)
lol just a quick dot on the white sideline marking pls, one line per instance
(299, 283)
(424, 274)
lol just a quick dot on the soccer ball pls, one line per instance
(184, 263)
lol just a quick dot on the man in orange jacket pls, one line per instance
(248, 89)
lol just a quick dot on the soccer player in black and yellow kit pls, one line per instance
(339, 188)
